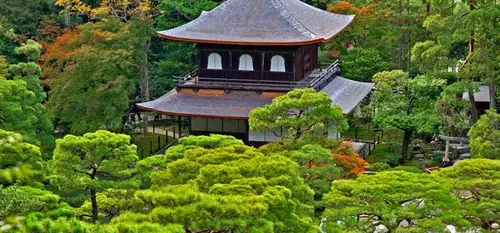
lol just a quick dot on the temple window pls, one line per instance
(277, 64)
(246, 63)
(214, 62)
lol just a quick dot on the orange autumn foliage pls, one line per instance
(352, 164)
(347, 8)
(54, 60)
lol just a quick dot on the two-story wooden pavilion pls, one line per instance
(249, 52)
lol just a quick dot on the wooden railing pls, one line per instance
(316, 79)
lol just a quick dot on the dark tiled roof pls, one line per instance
(237, 105)
(347, 93)
(209, 103)
(483, 95)
(261, 22)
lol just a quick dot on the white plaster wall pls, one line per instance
(214, 125)
(198, 124)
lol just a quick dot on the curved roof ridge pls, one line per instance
(261, 22)
(294, 22)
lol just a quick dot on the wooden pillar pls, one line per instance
(145, 120)
(179, 124)
(263, 54)
(230, 68)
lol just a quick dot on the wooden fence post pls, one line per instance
(158, 143)
(150, 147)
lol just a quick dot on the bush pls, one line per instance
(485, 136)
(411, 169)
(386, 153)
(438, 157)
(378, 167)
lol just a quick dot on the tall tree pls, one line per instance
(391, 27)
(23, 95)
(124, 11)
(93, 75)
(93, 162)
(361, 64)
(406, 104)
(301, 113)
(462, 39)
(26, 16)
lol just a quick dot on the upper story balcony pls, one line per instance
(257, 80)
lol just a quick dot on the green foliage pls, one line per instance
(452, 110)
(216, 182)
(361, 64)
(411, 169)
(317, 167)
(19, 200)
(379, 166)
(26, 15)
(477, 183)
(111, 202)
(99, 78)
(406, 104)
(31, 49)
(485, 136)
(139, 228)
(94, 161)
(385, 153)
(22, 97)
(391, 197)
(19, 161)
(146, 167)
(301, 112)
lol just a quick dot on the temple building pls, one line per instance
(249, 52)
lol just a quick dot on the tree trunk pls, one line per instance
(472, 100)
(493, 100)
(408, 59)
(95, 209)
(406, 145)
(144, 72)
(473, 107)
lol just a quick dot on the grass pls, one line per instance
(143, 143)
(168, 125)
(367, 132)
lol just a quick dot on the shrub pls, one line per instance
(351, 163)
(411, 169)
(377, 167)
(485, 136)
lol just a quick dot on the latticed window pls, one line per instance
(214, 62)
(277, 64)
(246, 62)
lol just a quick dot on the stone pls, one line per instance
(404, 224)
(450, 229)
(495, 225)
(381, 229)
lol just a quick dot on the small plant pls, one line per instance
(378, 167)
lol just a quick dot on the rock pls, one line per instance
(450, 229)
(404, 224)
(419, 156)
(464, 156)
(495, 225)
(381, 229)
